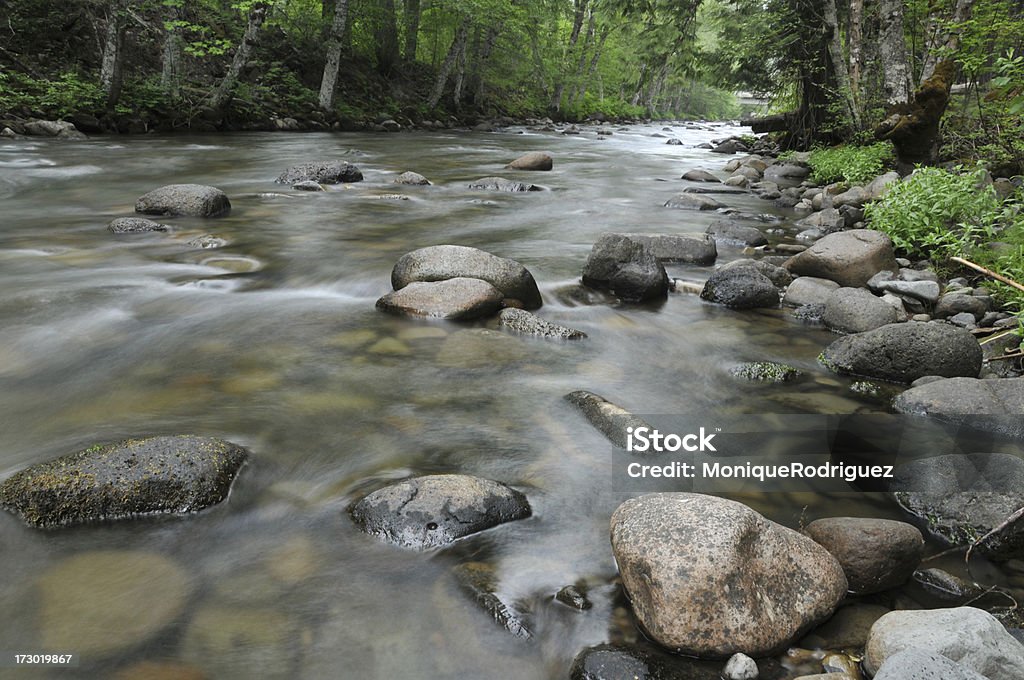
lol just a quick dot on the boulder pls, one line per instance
(435, 510)
(729, 146)
(924, 291)
(692, 249)
(950, 305)
(779, 276)
(179, 474)
(855, 196)
(135, 225)
(728, 231)
(521, 321)
(458, 299)
(700, 175)
(687, 201)
(321, 172)
(959, 498)
(849, 258)
(633, 662)
(970, 637)
(765, 371)
(534, 160)
(746, 172)
(104, 603)
(879, 186)
(439, 263)
(827, 221)
(626, 268)
(916, 664)
(52, 128)
(610, 419)
(904, 352)
(876, 554)
(855, 310)
(193, 200)
(790, 171)
(502, 184)
(710, 577)
(391, 125)
(808, 290)
(414, 178)
(995, 404)
(740, 288)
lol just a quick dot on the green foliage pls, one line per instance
(67, 93)
(939, 213)
(852, 164)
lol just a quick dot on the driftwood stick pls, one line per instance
(1002, 525)
(1004, 357)
(988, 272)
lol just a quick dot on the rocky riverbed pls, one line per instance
(421, 349)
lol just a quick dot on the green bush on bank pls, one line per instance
(851, 164)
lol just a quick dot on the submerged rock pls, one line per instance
(435, 510)
(766, 371)
(502, 184)
(534, 160)
(995, 404)
(307, 185)
(610, 419)
(458, 299)
(524, 322)
(876, 554)
(480, 581)
(178, 474)
(222, 639)
(633, 662)
(439, 263)
(626, 268)
(710, 577)
(959, 498)
(321, 172)
(904, 352)
(971, 637)
(193, 200)
(413, 178)
(105, 602)
(135, 225)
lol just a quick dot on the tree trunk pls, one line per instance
(640, 85)
(582, 62)
(947, 43)
(538, 61)
(460, 71)
(892, 49)
(387, 38)
(170, 67)
(582, 92)
(913, 127)
(839, 64)
(482, 58)
(855, 42)
(112, 66)
(577, 25)
(332, 63)
(458, 44)
(412, 28)
(222, 95)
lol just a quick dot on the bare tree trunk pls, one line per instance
(835, 54)
(947, 43)
(855, 41)
(458, 44)
(582, 92)
(482, 58)
(222, 95)
(170, 67)
(412, 28)
(112, 66)
(332, 63)
(460, 71)
(577, 25)
(387, 38)
(640, 85)
(892, 49)
(538, 61)
(655, 90)
(582, 63)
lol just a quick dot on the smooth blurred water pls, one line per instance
(273, 342)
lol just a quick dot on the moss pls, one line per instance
(766, 371)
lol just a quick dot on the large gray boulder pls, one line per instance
(534, 160)
(740, 288)
(627, 268)
(916, 664)
(904, 352)
(710, 577)
(808, 290)
(959, 498)
(192, 200)
(855, 310)
(502, 184)
(435, 510)
(524, 322)
(700, 175)
(728, 231)
(692, 249)
(178, 474)
(321, 172)
(458, 299)
(438, 263)
(849, 258)
(995, 404)
(876, 554)
(971, 637)
(687, 201)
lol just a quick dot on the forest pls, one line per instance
(832, 71)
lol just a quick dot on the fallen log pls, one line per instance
(779, 122)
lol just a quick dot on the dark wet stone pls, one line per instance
(876, 554)
(626, 268)
(193, 200)
(728, 231)
(575, 597)
(179, 474)
(610, 419)
(321, 172)
(995, 405)
(135, 225)
(502, 184)
(480, 581)
(633, 662)
(740, 288)
(307, 185)
(435, 510)
(521, 321)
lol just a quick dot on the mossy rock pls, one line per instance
(766, 371)
(177, 474)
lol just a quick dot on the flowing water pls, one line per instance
(273, 342)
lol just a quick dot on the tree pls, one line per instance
(257, 14)
(454, 52)
(332, 63)
(412, 29)
(112, 67)
(892, 50)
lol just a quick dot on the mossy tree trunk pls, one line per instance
(913, 127)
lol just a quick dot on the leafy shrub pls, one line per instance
(853, 164)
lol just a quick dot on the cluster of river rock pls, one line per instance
(707, 578)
